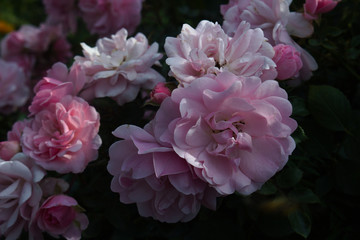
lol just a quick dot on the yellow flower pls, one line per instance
(6, 27)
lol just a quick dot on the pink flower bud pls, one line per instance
(288, 61)
(8, 149)
(312, 8)
(58, 215)
(159, 93)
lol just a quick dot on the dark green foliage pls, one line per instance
(316, 195)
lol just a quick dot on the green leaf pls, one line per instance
(300, 223)
(330, 107)
(289, 177)
(299, 107)
(304, 195)
(299, 135)
(268, 189)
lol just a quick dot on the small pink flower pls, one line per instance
(20, 194)
(8, 149)
(313, 8)
(58, 83)
(149, 173)
(36, 49)
(63, 137)
(288, 61)
(119, 67)
(17, 130)
(14, 91)
(106, 17)
(208, 50)
(62, 12)
(234, 131)
(58, 216)
(159, 93)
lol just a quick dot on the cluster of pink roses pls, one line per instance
(36, 49)
(61, 133)
(279, 24)
(227, 126)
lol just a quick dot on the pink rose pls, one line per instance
(313, 8)
(14, 91)
(264, 14)
(234, 131)
(56, 85)
(159, 93)
(106, 17)
(63, 136)
(36, 49)
(276, 21)
(288, 61)
(58, 216)
(119, 67)
(62, 12)
(8, 149)
(208, 50)
(149, 173)
(17, 130)
(20, 194)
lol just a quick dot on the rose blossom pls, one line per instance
(118, 67)
(277, 22)
(313, 8)
(57, 84)
(13, 91)
(61, 12)
(20, 194)
(288, 61)
(159, 93)
(36, 49)
(63, 136)
(149, 173)
(106, 17)
(58, 216)
(234, 131)
(208, 50)
(17, 130)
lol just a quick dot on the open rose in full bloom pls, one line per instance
(149, 173)
(119, 67)
(208, 50)
(63, 137)
(58, 216)
(234, 131)
(106, 17)
(20, 194)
